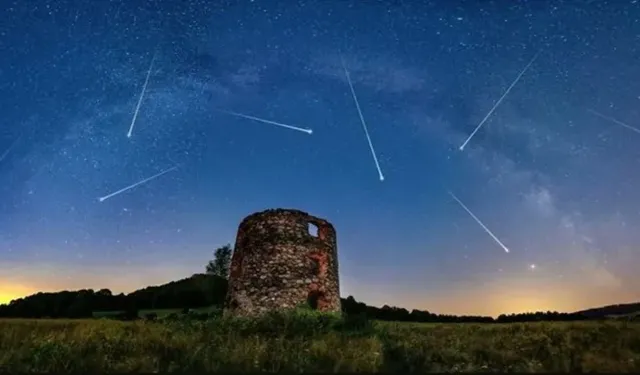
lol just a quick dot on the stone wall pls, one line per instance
(277, 263)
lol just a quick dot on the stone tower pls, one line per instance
(282, 259)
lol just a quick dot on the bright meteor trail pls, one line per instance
(479, 222)
(614, 121)
(102, 199)
(308, 131)
(144, 89)
(499, 101)
(364, 124)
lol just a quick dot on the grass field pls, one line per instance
(312, 342)
(159, 312)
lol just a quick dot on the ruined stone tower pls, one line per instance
(282, 259)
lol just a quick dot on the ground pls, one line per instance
(159, 312)
(312, 342)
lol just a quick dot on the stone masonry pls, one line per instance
(279, 262)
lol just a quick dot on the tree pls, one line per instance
(221, 262)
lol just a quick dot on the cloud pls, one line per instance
(540, 138)
(574, 234)
(379, 74)
(245, 76)
(585, 254)
(540, 200)
(539, 192)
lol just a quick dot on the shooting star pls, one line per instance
(102, 199)
(364, 124)
(8, 150)
(499, 101)
(480, 222)
(308, 131)
(614, 121)
(144, 89)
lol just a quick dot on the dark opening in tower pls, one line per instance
(315, 300)
(234, 304)
(318, 264)
(315, 267)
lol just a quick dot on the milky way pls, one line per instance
(553, 166)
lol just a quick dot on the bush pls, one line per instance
(128, 315)
(215, 313)
(299, 322)
(356, 324)
(171, 317)
(198, 316)
(151, 316)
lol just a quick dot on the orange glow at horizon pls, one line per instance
(493, 298)
(452, 304)
(11, 292)
(488, 299)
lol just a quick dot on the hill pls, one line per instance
(203, 290)
(193, 292)
(199, 290)
(627, 309)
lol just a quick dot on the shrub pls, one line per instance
(356, 324)
(151, 316)
(171, 317)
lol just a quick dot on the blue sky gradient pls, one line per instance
(554, 182)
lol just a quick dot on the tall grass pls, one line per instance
(312, 342)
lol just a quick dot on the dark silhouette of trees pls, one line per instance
(221, 262)
(549, 316)
(204, 290)
(77, 304)
(613, 310)
(197, 291)
(351, 307)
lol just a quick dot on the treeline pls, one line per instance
(204, 290)
(194, 292)
(388, 313)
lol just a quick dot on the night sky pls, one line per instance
(552, 173)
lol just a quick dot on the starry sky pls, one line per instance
(552, 172)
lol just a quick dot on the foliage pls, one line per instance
(308, 341)
(221, 263)
(206, 291)
(285, 323)
(203, 292)
(198, 291)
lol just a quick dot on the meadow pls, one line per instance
(305, 341)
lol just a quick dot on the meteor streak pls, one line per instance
(144, 89)
(479, 222)
(499, 101)
(102, 199)
(308, 131)
(364, 124)
(614, 121)
(7, 151)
